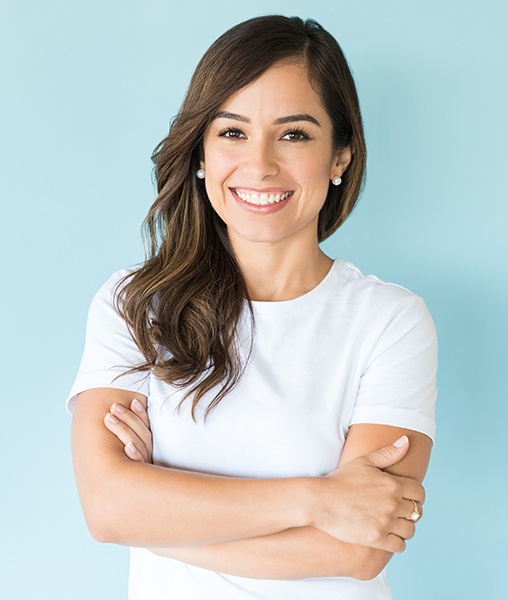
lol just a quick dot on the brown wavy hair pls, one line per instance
(183, 306)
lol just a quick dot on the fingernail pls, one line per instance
(401, 442)
(137, 405)
(111, 419)
(118, 407)
(132, 447)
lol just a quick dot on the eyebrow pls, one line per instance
(281, 121)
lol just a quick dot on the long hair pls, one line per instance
(183, 306)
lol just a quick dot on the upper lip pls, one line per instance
(269, 190)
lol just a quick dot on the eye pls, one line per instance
(231, 133)
(296, 135)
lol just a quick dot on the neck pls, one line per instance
(275, 272)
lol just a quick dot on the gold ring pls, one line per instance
(416, 514)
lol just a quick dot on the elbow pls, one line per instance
(369, 563)
(99, 532)
(107, 509)
(367, 572)
(101, 522)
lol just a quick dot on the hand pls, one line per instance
(362, 504)
(132, 427)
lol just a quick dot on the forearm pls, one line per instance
(297, 553)
(306, 551)
(148, 505)
(139, 504)
(145, 505)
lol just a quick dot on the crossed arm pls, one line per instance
(345, 524)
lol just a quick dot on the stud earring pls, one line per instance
(336, 180)
(200, 173)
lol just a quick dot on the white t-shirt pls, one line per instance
(352, 350)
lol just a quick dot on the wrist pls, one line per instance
(309, 501)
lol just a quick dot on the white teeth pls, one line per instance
(262, 199)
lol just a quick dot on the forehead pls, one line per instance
(283, 89)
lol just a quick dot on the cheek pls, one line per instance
(315, 174)
(218, 167)
(218, 170)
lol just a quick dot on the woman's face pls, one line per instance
(269, 158)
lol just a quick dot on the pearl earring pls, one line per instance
(200, 174)
(336, 180)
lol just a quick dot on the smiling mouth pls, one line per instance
(263, 199)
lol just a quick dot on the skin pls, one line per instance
(347, 523)
(294, 553)
(264, 154)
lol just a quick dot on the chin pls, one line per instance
(261, 235)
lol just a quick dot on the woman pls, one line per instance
(290, 397)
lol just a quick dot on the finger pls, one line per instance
(389, 455)
(134, 422)
(139, 410)
(132, 453)
(125, 434)
(403, 528)
(408, 508)
(394, 543)
(411, 489)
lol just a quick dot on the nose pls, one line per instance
(261, 159)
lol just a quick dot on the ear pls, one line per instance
(341, 161)
(201, 164)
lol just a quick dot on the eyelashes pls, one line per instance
(296, 134)
(232, 133)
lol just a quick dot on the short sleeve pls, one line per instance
(398, 385)
(110, 350)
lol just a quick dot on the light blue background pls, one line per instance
(87, 91)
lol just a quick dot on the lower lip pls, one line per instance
(265, 209)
